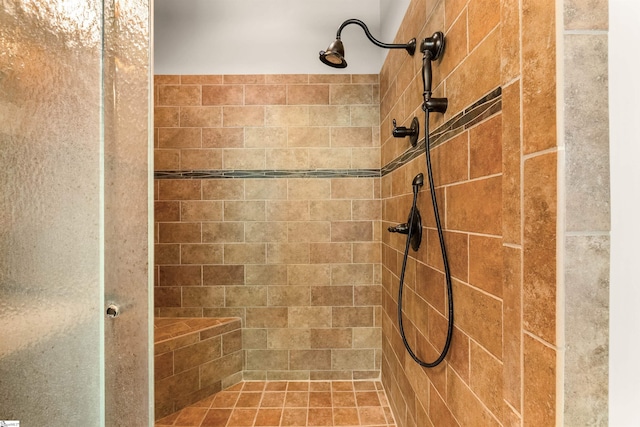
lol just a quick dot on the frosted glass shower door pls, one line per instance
(74, 185)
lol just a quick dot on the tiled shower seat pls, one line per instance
(194, 358)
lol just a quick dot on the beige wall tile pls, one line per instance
(265, 232)
(288, 253)
(179, 137)
(330, 210)
(268, 189)
(309, 231)
(222, 95)
(539, 246)
(244, 211)
(309, 189)
(223, 275)
(351, 137)
(200, 116)
(299, 136)
(200, 159)
(287, 158)
(352, 359)
(201, 210)
(166, 160)
(287, 210)
(309, 274)
(171, 189)
(333, 115)
(223, 137)
(266, 275)
(267, 317)
(307, 94)
(178, 95)
(222, 189)
(323, 253)
(309, 317)
(289, 115)
(289, 296)
(200, 254)
(170, 232)
(265, 94)
(245, 253)
(351, 94)
(243, 116)
(222, 232)
(352, 188)
(265, 137)
(330, 158)
(243, 296)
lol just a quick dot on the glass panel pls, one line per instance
(127, 214)
(51, 292)
(74, 215)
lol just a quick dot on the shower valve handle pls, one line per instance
(400, 228)
(412, 132)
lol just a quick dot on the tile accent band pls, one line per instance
(482, 109)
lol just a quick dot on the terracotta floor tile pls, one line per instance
(289, 404)
(364, 385)
(268, 417)
(367, 398)
(254, 386)
(204, 403)
(320, 386)
(276, 386)
(242, 417)
(371, 416)
(294, 417)
(273, 399)
(345, 417)
(225, 399)
(298, 386)
(191, 416)
(320, 417)
(343, 398)
(249, 400)
(296, 399)
(319, 399)
(342, 386)
(168, 420)
(216, 418)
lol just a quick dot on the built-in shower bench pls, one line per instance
(194, 358)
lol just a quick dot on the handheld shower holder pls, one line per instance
(412, 132)
(436, 105)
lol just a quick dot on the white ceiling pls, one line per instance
(268, 36)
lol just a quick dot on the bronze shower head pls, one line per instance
(334, 55)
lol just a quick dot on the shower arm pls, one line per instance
(409, 46)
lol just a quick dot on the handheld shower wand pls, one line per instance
(431, 48)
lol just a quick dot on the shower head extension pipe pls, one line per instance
(334, 55)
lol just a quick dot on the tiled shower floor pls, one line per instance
(289, 403)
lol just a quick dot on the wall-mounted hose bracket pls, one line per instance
(435, 105)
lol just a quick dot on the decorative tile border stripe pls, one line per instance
(250, 174)
(487, 106)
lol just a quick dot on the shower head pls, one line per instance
(334, 55)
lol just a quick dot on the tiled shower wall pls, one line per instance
(497, 187)
(265, 236)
